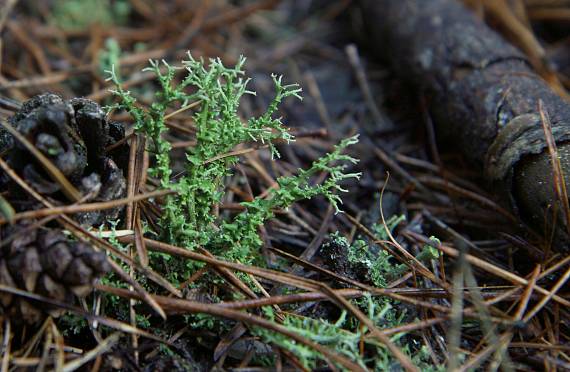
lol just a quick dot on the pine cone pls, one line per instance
(74, 135)
(48, 263)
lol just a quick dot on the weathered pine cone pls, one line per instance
(74, 135)
(46, 262)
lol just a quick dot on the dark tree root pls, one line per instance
(483, 96)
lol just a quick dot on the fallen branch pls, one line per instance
(484, 97)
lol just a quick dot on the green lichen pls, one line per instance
(345, 340)
(109, 57)
(80, 14)
(215, 92)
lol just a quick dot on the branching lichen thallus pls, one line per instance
(215, 91)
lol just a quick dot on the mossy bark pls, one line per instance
(483, 95)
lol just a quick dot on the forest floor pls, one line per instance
(422, 267)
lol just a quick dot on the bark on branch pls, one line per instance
(483, 95)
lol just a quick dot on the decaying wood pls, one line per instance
(483, 95)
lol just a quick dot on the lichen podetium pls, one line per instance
(215, 91)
